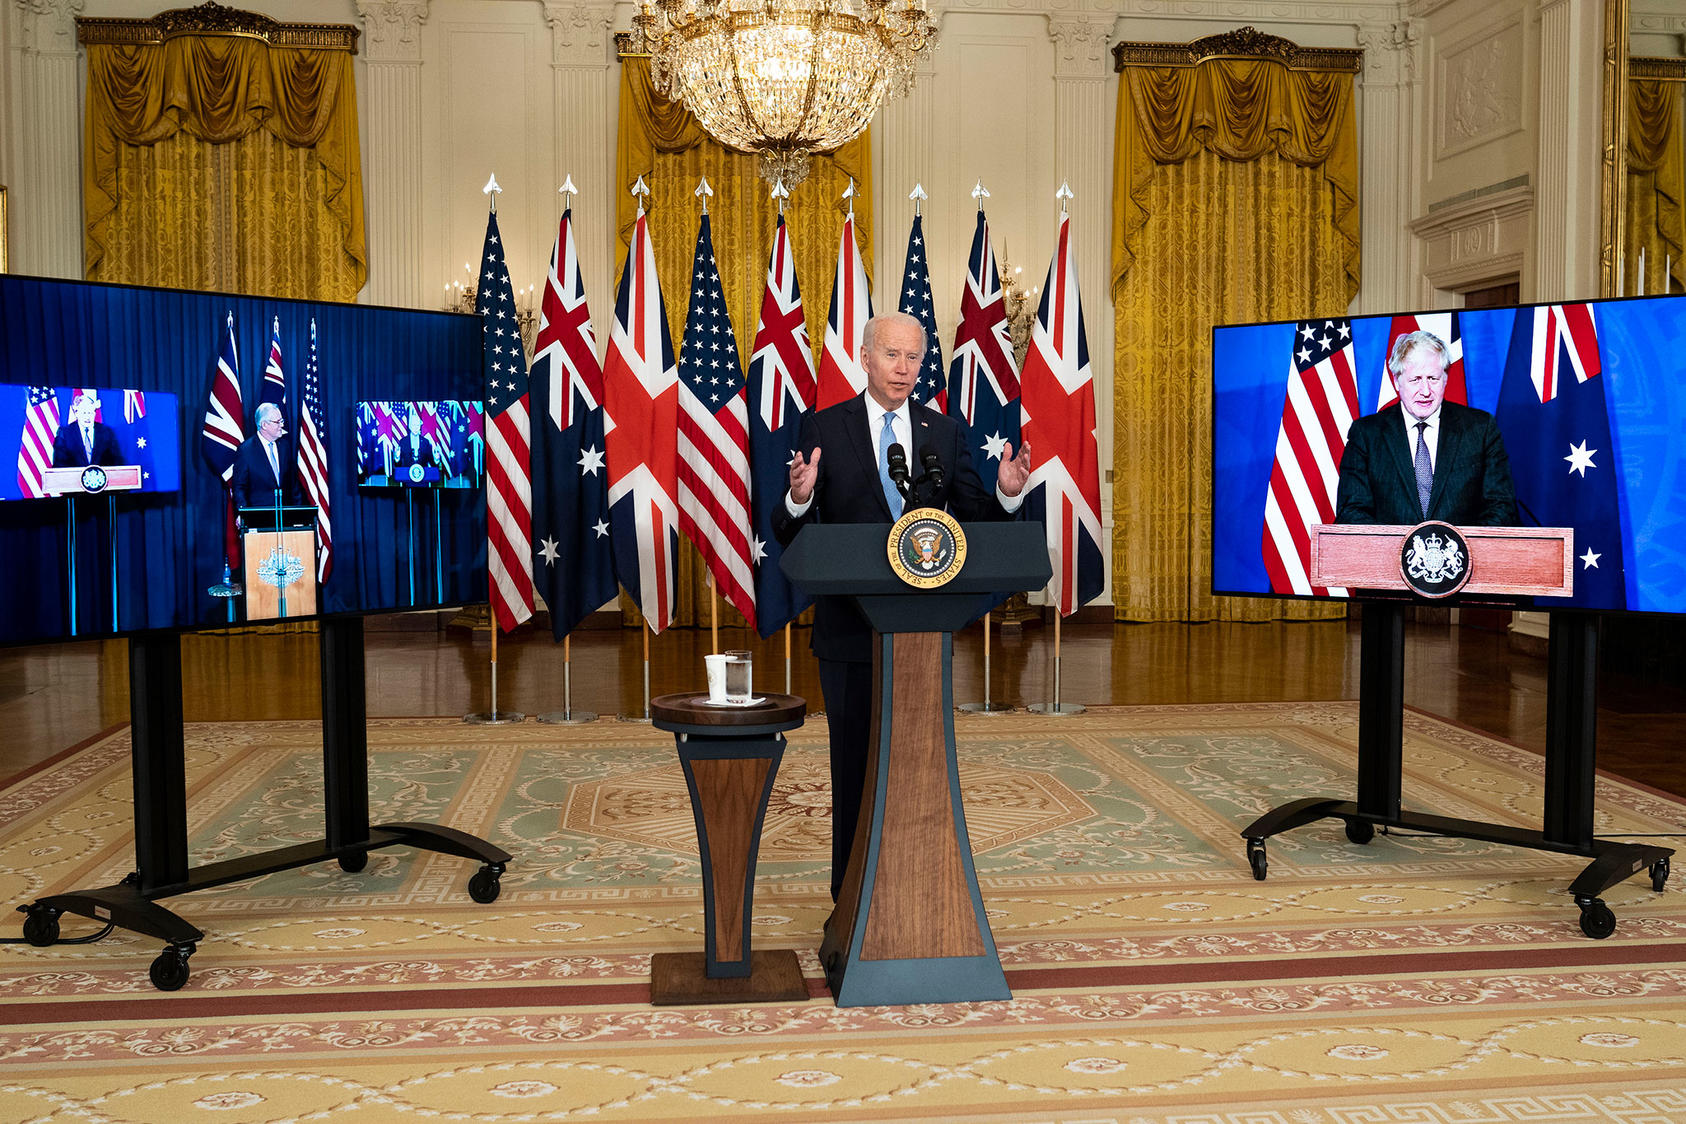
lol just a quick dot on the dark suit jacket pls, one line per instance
(253, 483)
(848, 490)
(1472, 484)
(69, 452)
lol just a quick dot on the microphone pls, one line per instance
(930, 482)
(896, 456)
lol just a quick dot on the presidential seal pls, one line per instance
(1434, 560)
(94, 479)
(417, 474)
(927, 547)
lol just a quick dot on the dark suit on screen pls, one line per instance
(254, 483)
(1471, 487)
(848, 490)
(70, 451)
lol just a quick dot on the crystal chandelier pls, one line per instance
(783, 78)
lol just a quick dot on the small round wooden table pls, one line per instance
(730, 755)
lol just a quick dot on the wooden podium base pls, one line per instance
(682, 977)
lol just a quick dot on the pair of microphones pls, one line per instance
(920, 492)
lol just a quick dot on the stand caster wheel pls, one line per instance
(41, 926)
(485, 886)
(1256, 858)
(1659, 875)
(1597, 921)
(169, 971)
(1360, 831)
(353, 861)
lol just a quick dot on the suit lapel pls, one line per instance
(859, 427)
(1399, 449)
(1451, 433)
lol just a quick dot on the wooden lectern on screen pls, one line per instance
(1504, 561)
(278, 569)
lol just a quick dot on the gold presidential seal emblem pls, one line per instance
(927, 547)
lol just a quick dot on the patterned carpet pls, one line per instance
(1414, 979)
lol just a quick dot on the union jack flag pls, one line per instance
(134, 405)
(313, 461)
(1059, 425)
(509, 482)
(841, 375)
(574, 562)
(1317, 410)
(225, 430)
(435, 430)
(915, 300)
(781, 390)
(641, 410)
(983, 379)
(1442, 324)
(274, 387)
(35, 445)
(714, 436)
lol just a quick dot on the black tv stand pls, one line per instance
(161, 867)
(1570, 767)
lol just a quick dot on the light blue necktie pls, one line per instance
(886, 438)
(1425, 471)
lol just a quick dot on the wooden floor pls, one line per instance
(52, 697)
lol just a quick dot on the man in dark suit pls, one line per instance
(1423, 457)
(840, 475)
(263, 465)
(83, 441)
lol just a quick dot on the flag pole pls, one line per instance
(646, 715)
(787, 657)
(713, 615)
(1056, 708)
(568, 716)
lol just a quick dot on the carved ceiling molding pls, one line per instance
(211, 18)
(1242, 43)
(49, 26)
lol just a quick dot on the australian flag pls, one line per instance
(1556, 429)
(573, 555)
(915, 300)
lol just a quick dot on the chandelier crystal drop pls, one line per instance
(783, 78)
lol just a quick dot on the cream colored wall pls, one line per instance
(1476, 159)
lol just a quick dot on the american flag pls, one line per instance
(509, 483)
(1443, 324)
(841, 375)
(641, 412)
(1556, 424)
(781, 390)
(35, 446)
(574, 562)
(1320, 405)
(983, 379)
(915, 300)
(225, 429)
(274, 387)
(714, 436)
(313, 460)
(1059, 426)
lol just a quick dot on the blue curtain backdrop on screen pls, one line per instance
(169, 545)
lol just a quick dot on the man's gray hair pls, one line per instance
(266, 410)
(869, 330)
(1410, 342)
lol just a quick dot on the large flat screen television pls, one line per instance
(1550, 416)
(243, 397)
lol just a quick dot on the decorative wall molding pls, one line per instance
(49, 26)
(1391, 53)
(1480, 80)
(1671, 70)
(1245, 42)
(1480, 239)
(211, 18)
(579, 33)
(1352, 13)
(1080, 44)
(393, 28)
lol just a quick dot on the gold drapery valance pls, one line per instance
(1235, 199)
(1656, 170)
(1294, 103)
(660, 140)
(150, 81)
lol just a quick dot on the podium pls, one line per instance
(1502, 562)
(278, 570)
(909, 926)
(80, 482)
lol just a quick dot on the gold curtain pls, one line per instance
(1656, 183)
(223, 162)
(1235, 199)
(660, 140)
